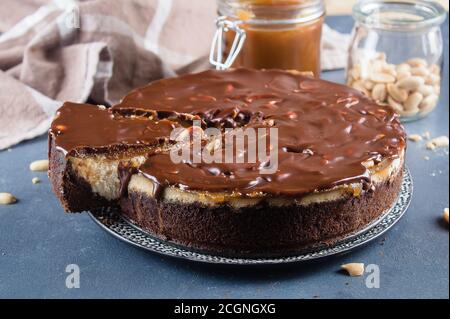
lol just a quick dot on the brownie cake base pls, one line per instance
(74, 193)
(259, 230)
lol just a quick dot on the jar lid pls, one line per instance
(264, 12)
(399, 14)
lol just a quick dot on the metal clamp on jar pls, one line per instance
(267, 34)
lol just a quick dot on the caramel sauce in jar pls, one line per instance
(280, 34)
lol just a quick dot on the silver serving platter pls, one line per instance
(120, 228)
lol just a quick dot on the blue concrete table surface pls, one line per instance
(38, 240)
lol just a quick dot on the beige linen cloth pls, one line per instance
(98, 50)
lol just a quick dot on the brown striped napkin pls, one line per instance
(98, 50)
(95, 50)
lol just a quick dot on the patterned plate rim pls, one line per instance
(131, 234)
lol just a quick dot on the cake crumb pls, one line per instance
(415, 137)
(427, 158)
(426, 135)
(354, 269)
(35, 180)
(446, 214)
(441, 141)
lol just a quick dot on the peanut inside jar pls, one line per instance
(284, 34)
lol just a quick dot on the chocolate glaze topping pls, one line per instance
(86, 128)
(326, 131)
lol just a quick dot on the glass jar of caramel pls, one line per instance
(396, 54)
(272, 34)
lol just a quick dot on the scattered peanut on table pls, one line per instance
(414, 137)
(354, 269)
(441, 141)
(39, 166)
(7, 199)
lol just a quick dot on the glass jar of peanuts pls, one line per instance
(396, 54)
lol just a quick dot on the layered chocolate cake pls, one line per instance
(340, 160)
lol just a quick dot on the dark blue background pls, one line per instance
(37, 241)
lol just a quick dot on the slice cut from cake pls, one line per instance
(88, 144)
(340, 160)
